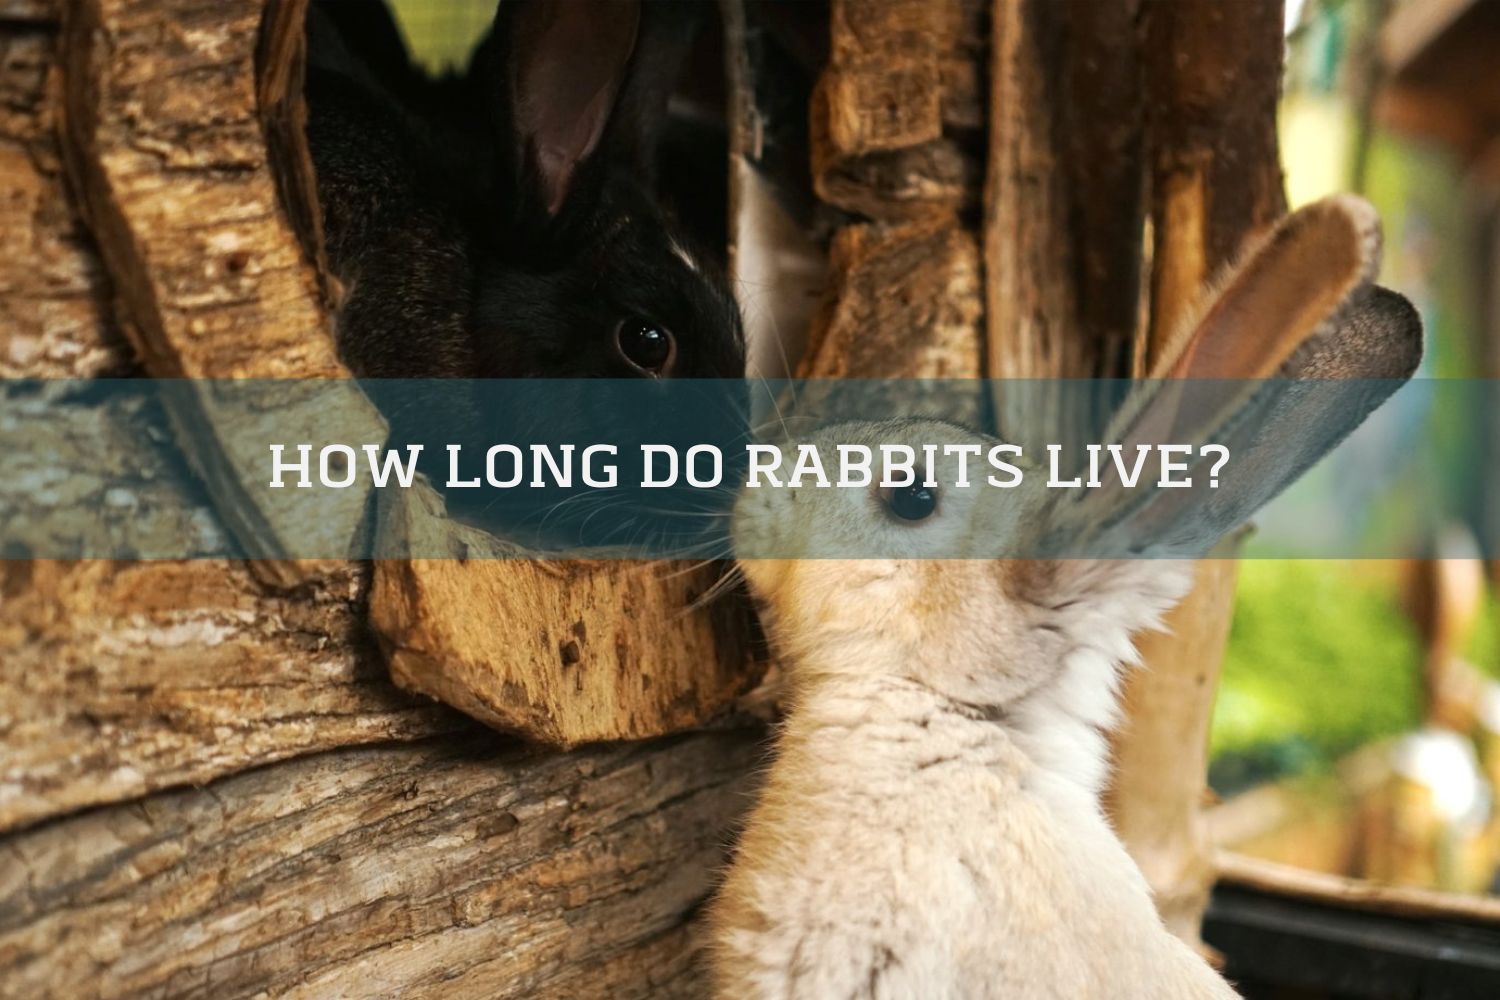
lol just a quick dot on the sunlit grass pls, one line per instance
(1321, 659)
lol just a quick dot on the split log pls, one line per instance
(119, 680)
(1063, 208)
(562, 652)
(164, 142)
(904, 302)
(165, 147)
(879, 145)
(182, 195)
(461, 868)
(122, 680)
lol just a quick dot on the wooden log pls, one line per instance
(878, 99)
(1213, 78)
(1213, 75)
(1159, 788)
(1030, 298)
(451, 868)
(183, 199)
(282, 59)
(561, 652)
(897, 69)
(120, 679)
(1355, 894)
(461, 868)
(904, 302)
(54, 320)
(1063, 209)
(892, 119)
(164, 142)
(177, 188)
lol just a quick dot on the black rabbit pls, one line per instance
(527, 182)
(502, 222)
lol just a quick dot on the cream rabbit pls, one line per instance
(931, 825)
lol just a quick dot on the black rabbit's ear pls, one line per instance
(1293, 352)
(564, 63)
(667, 31)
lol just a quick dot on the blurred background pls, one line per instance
(1357, 729)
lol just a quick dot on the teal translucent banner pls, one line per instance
(649, 469)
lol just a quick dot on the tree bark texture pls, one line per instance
(564, 652)
(54, 302)
(181, 191)
(1064, 191)
(897, 142)
(166, 154)
(453, 868)
(341, 836)
(1063, 212)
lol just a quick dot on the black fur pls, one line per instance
(453, 267)
(439, 228)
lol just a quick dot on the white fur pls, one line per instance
(931, 826)
(680, 252)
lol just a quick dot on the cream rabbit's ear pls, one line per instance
(1288, 290)
(1291, 353)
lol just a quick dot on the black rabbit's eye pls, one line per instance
(910, 503)
(645, 345)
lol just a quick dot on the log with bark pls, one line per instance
(894, 142)
(181, 193)
(116, 679)
(461, 867)
(341, 836)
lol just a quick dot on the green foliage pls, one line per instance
(1321, 660)
(1483, 648)
(440, 36)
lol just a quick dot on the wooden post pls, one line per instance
(1063, 199)
(1213, 75)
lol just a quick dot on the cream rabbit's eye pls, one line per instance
(910, 503)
